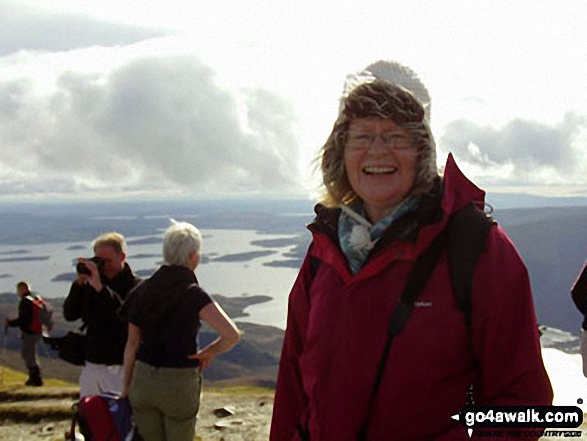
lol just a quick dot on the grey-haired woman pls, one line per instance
(162, 361)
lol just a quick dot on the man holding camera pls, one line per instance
(102, 284)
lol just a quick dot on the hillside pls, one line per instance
(551, 240)
(44, 414)
(553, 244)
(24, 223)
(253, 362)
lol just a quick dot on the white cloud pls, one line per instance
(512, 61)
(521, 152)
(26, 28)
(154, 122)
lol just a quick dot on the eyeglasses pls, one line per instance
(361, 141)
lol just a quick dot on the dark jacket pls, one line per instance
(106, 331)
(25, 316)
(579, 292)
(166, 308)
(337, 327)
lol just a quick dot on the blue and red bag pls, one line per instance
(104, 418)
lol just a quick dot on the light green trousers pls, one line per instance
(165, 402)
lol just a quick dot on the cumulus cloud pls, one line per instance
(529, 151)
(154, 123)
(27, 28)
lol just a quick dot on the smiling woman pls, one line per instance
(380, 125)
(387, 215)
(380, 162)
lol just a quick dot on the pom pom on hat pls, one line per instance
(392, 72)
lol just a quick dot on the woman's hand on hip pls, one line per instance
(204, 356)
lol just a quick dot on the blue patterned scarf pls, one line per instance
(358, 236)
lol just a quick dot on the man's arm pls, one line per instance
(25, 315)
(73, 307)
(105, 296)
(86, 286)
(14, 323)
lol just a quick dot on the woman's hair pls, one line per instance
(114, 240)
(181, 239)
(376, 99)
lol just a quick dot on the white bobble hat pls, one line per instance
(392, 72)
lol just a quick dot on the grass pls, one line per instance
(31, 404)
(28, 411)
(30, 408)
(10, 379)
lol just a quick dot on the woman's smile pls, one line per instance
(382, 176)
(378, 170)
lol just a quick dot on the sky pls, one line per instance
(111, 99)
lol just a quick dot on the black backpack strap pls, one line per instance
(314, 265)
(468, 229)
(465, 238)
(417, 281)
(302, 429)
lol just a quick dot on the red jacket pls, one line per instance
(337, 326)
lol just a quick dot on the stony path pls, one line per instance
(25, 415)
(43, 415)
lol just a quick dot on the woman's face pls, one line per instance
(382, 170)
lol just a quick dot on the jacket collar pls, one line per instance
(173, 275)
(123, 278)
(451, 194)
(458, 189)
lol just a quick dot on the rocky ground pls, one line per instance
(227, 414)
(236, 414)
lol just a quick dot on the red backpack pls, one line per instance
(42, 314)
(104, 417)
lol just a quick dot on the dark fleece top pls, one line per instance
(25, 316)
(166, 308)
(106, 331)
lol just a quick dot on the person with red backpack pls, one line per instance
(33, 314)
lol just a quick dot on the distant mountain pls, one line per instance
(34, 223)
(517, 200)
(553, 244)
(550, 234)
(253, 362)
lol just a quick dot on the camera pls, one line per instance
(81, 267)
